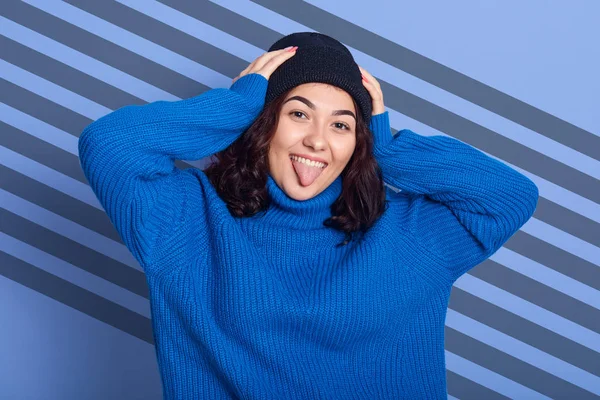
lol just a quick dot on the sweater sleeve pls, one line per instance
(128, 156)
(462, 205)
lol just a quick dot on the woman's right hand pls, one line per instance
(267, 63)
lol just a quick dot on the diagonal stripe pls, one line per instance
(568, 221)
(511, 367)
(51, 91)
(82, 62)
(65, 227)
(195, 28)
(530, 311)
(523, 352)
(72, 252)
(555, 258)
(563, 240)
(483, 138)
(78, 298)
(128, 40)
(523, 330)
(464, 388)
(39, 129)
(47, 176)
(66, 76)
(490, 379)
(547, 276)
(539, 294)
(74, 275)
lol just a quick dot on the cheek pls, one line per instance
(343, 150)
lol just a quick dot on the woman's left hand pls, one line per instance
(374, 90)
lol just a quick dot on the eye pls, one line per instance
(300, 112)
(296, 112)
(345, 125)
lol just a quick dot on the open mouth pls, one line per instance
(308, 162)
(306, 170)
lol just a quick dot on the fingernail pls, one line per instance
(365, 79)
(288, 48)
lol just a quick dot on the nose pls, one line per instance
(316, 139)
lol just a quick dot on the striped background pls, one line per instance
(523, 324)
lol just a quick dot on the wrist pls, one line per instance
(253, 87)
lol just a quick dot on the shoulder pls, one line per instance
(198, 207)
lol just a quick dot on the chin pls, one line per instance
(299, 192)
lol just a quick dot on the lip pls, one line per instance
(310, 158)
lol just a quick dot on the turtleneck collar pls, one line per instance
(301, 214)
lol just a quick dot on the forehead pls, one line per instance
(322, 94)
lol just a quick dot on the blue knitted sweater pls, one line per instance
(267, 307)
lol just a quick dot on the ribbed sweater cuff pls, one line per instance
(254, 89)
(380, 127)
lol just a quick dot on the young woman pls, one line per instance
(287, 269)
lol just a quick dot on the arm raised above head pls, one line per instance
(128, 156)
(463, 205)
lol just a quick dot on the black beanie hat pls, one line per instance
(319, 58)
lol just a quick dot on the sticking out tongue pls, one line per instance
(306, 173)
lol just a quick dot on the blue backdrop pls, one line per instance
(515, 79)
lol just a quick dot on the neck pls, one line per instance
(301, 214)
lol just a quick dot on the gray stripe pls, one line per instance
(557, 259)
(525, 330)
(512, 368)
(57, 202)
(165, 35)
(539, 294)
(568, 221)
(75, 297)
(51, 156)
(65, 76)
(465, 389)
(104, 51)
(73, 252)
(42, 109)
(437, 74)
(487, 140)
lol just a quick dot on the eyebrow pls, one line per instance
(312, 106)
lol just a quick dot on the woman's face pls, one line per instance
(318, 121)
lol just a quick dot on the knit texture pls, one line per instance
(268, 307)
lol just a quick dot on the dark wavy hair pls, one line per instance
(239, 174)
